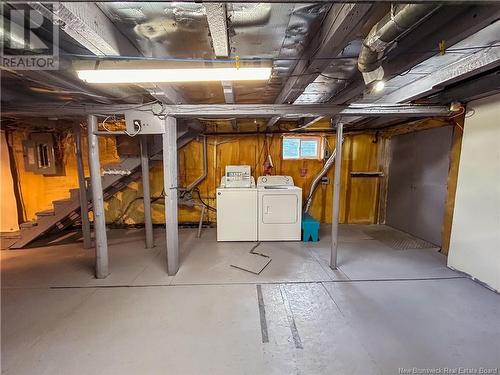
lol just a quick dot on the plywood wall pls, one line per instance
(8, 208)
(39, 191)
(359, 195)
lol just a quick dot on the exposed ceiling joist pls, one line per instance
(485, 85)
(321, 1)
(273, 120)
(310, 123)
(87, 24)
(227, 88)
(472, 19)
(338, 29)
(476, 63)
(217, 24)
(475, 22)
(166, 94)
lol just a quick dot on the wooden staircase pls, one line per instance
(66, 212)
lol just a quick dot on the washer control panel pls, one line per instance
(238, 176)
(265, 181)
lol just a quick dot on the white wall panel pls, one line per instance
(475, 236)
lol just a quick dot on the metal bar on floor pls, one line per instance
(200, 224)
(84, 212)
(170, 187)
(148, 223)
(101, 242)
(336, 197)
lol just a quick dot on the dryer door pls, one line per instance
(279, 208)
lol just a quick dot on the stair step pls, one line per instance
(61, 203)
(48, 219)
(28, 224)
(49, 212)
(11, 236)
(74, 193)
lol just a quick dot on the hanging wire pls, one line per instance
(259, 59)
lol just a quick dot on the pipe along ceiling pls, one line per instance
(292, 39)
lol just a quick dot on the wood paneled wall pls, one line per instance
(38, 191)
(359, 195)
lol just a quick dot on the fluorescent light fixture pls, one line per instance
(173, 75)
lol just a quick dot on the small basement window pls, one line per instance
(306, 147)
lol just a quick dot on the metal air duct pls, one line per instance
(398, 22)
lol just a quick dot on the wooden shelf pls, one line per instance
(367, 174)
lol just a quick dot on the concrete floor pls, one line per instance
(384, 310)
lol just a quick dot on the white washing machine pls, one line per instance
(237, 206)
(279, 209)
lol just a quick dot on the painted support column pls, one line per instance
(170, 187)
(148, 223)
(101, 241)
(336, 197)
(84, 212)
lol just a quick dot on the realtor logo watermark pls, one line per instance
(22, 48)
(448, 370)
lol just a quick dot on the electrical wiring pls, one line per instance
(336, 78)
(61, 90)
(462, 111)
(470, 113)
(273, 59)
(104, 124)
(327, 144)
(216, 119)
(127, 207)
(223, 142)
(134, 134)
(126, 132)
(197, 190)
(18, 191)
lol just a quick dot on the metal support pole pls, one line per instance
(101, 241)
(84, 212)
(148, 223)
(200, 224)
(170, 186)
(336, 197)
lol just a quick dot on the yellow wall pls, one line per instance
(359, 198)
(39, 191)
(8, 207)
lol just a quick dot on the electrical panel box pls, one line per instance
(40, 155)
(237, 176)
(143, 122)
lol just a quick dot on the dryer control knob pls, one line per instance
(264, 179)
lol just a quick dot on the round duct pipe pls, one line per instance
(398, 22)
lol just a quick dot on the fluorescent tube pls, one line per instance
(173, 75)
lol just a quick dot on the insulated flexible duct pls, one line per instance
(329, 162)
(399, 21)
(196, 182)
